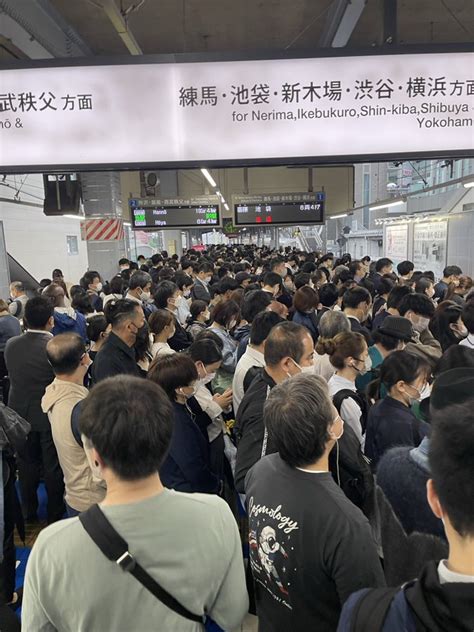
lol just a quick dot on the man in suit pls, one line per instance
(200, 291)
(30, 373)
(356, 305)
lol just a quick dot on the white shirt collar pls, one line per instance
(39, 331)
(447, 577)
(255, 355)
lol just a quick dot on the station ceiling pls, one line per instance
(199, 26)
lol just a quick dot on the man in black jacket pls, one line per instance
(166, 297)
(200, 291)
(117, 356)
(356, 305)
(289, 350)
(30, 373)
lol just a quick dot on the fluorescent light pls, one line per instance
(127, 223)
(226, 206)
(387, 205)
(73, 216)
(469, 185)
(337, 216)
(209, 178)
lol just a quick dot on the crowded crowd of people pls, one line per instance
(242, 430)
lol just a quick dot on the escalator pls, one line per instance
(19, 273)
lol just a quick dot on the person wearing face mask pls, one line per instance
(394, 335)
(349, 355)
(185, 284)
(117, 355)
(166, 297)
(198, 318)
(424, 285)
(357, 305)
(447, 325)
(225, 317)
(419, 309)
(139, 291)
(93, 285)
(162, 328)
(187, 467)
(203, 278)
(288, 350)
(207, 356)
(310, 547)
(70, 361)
(391, 421)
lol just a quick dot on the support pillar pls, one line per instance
(169, 189)
(102, 199)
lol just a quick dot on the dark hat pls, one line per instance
(240, 277)
(397, 327)
(452, 387)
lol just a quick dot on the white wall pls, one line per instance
(38, 242)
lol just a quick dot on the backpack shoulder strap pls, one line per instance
(371, 610)
(75, 423)
(343, 394)
(115, 548)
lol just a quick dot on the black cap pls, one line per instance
(452, 387)
(397, 327)
(240, 277)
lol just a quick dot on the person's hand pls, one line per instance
(225, 399)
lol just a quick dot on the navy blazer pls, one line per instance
(308, 321)
(187, 466)
(390, 424)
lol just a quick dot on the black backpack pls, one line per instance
(359, 398)
(371, 610)
(350, 469)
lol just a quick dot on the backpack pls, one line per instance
(359, 398)
(371, 610)
(351, 471)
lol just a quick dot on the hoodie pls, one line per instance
(67, 320)
(82, 489)
(427, 604)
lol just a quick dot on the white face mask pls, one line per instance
(208, 376)
(304, 369)
(421, 324)
(187, 293)
(207, 279)
(98, 287)
(145, 296)
(367, 366)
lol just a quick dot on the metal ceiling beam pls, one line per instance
(38, 22)
(340, 23)
(112, 11)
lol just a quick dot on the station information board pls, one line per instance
(174, 213)
(66, 114)
(291, 209)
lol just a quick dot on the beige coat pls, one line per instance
(82, 489)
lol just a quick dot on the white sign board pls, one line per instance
(214, 112)
(396, 242)
(430, 247)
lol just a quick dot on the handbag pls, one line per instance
(115, 548)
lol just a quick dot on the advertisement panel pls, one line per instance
(396, 242)
(142, 112)
(430, 240)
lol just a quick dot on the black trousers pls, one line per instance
(40, 456)
(7, 566)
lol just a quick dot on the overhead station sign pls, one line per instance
(279, 209)
(221, 112)
(197, 212)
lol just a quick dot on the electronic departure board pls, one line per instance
(174, 213)
(289, 209)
